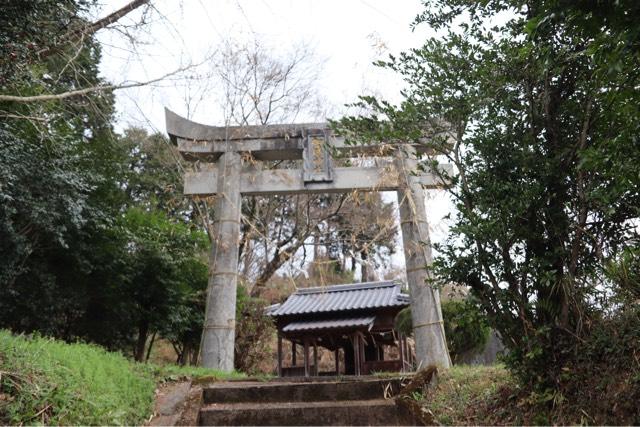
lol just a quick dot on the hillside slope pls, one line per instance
(51, 382)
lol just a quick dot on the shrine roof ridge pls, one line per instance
(348, 287)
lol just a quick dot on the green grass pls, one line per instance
(388, 374)
(175, 372)
(44, 381)
(462, 388)
(50, 382)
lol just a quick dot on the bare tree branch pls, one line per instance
(92, 28)
(92, 89)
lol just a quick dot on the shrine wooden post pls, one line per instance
(315, 357)
(294, 352)
(401, 350)
(279, 355)
(307, 370)
(221, 150)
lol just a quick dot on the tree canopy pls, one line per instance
(536, 104)
(93, 243)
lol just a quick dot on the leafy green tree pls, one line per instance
(154, 174)
(466, 326)
(158, 252)
(30, 35)
(56, 175)
(183, 328)
(93, 244)
(536, 104)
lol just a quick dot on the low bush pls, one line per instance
(254, 334)
(596, 383)
(459, 392)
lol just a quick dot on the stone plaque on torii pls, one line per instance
(316, 145)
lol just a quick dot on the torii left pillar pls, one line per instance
(217, 347)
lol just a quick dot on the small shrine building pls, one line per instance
(355, 319)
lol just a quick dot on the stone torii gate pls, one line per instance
(316, 145)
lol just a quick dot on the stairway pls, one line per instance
(355, 402)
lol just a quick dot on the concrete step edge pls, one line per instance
(350, 413)
(288, 405)
(323, 391)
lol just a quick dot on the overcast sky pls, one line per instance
(346, 36)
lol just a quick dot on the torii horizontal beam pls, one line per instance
(290, 181)
(196, 141)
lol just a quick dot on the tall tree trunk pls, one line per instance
(193, 357)
(153, 340)
(185, 355)
(141, 344)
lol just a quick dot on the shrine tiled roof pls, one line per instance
(318, 325)
(342, 298)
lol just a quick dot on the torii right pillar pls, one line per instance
(426, 314)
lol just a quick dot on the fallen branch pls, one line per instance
(42, 410)
(12, 375)
(408, 405)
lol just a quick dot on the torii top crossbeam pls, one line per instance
(316, 145)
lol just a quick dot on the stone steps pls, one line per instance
(352, 413)
(302, 391)
(366, 401)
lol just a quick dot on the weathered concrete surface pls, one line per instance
(368, 401)
(426, 314)
(290, 181)
(352, 413)
(301, 392)
(191, 407)
(218, 335)
(169, 403)
(279, 142)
